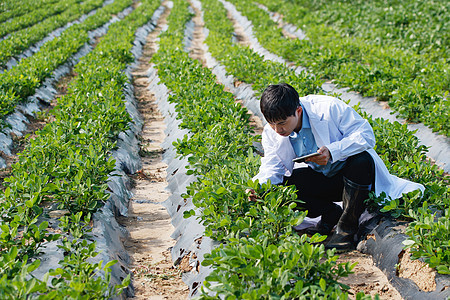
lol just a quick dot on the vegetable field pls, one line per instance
(72, 147)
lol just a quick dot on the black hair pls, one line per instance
(278, 102)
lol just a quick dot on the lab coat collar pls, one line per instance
(319, 126)
(305, 123)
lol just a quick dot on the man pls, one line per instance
(346, 169)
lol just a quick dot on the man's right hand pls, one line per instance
(252, 196)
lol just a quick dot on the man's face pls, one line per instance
(291, 123)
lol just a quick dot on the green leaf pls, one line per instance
(109, 264)
(224, 222)
(43, 226)
(443, 270)
(221, 191)
(7, 192)
(323, 284)
(408, 242)
(188, 213)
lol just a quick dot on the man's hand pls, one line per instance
(321, 159)
(252, 196)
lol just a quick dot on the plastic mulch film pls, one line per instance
(384, 244)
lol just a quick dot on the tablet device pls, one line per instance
(302, 158)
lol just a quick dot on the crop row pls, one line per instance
(23, 8)
(20, 40)
(67, 163)
(260, 256)
(35, 17)
(419, 27)
(22, 80)
(397, 146)
(414, 85)
(14, 5)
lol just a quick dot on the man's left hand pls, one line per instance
(321, 159)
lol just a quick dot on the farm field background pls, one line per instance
(70, 138)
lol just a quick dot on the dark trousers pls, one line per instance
(319, 191)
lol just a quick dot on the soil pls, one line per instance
(196, 51)
(239, 32)
(149, 224)
(417, 271)
(367, 277)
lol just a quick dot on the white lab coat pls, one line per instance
(343, 131)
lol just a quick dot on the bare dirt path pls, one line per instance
(149, 224)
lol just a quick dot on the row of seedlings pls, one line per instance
(14, 120)
(22, 80)
(23, 7)
(66, 166)
(241, 91)
(17, 42)
(411, 81)
(396, 145)
(407, 25)
(35, 16)
(259, 255)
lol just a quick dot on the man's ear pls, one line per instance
(299, 110)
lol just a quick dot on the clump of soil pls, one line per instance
(417, 271)
(367, 277)
(159, 280)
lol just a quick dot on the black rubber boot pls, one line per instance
(327, 222)
(353, 198)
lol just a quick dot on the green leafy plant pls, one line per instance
(429, 237)
(78, 277)
(15, 281)
(248, 268)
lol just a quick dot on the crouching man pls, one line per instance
(346, 169)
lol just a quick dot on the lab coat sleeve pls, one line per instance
(272, 166)
(356, 134)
